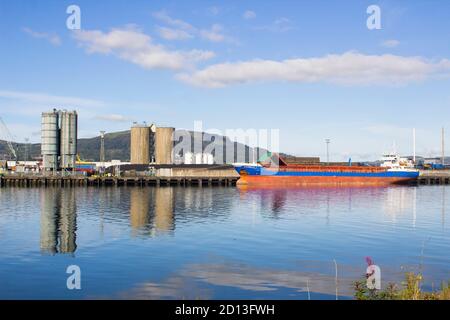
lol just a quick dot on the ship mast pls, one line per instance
(443, 146)
(414, 145)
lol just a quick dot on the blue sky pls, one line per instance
(309, 68)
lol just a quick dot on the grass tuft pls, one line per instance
(409, 290)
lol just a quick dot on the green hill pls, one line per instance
(117, 147)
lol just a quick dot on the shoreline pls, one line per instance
(183, 178)
(144, 181)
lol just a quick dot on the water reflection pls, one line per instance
(399, 201)
(443, 206)
(139, 208)
(155, 211)
(152, 210)
(394, 201)
(201, 280)
(58, 221)
(164, 210)
(278, 201)
(258, 235)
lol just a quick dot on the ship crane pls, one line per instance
(9, 139)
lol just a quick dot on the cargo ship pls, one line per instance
(280, 173)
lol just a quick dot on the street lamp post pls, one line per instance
(327, 141)
(102, 150)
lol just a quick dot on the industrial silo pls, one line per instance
(140, 144)
(50, 140)
(164, 145)
(198, 158)
(152, 143)
(69, 135)
(188, 158)
(209, 159)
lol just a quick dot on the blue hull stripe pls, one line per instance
(252, 171)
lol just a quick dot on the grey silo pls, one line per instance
(68, 141)
(50, 140)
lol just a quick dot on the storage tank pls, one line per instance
(164, 145)
(50, 140)
(188, 158)
(198, 158)
(206, 158)
(152, 143)
(69, 136)
(140, 144)
(210, 158)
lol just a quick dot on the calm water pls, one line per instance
(200, 243)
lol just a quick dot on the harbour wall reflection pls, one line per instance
(156, 211)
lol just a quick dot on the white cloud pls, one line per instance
(214, 10)
(214, 34)
(390, 43)
(133, 45)
(113, 118)
(249, 15)
(279, 25)
(22, 110)
(350, 68)
(389, 130)
(52, 38)
(181, 30)
(50, 100)
(32, 132)
(163, 16)
(173, 34)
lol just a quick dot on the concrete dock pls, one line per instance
(72, 181)
(432, 177)
(427, 177)
(163, 175)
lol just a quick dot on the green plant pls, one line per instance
(410, 290)
(364, 293)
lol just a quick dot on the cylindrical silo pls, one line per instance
(210, 158)
(50, 140)
(69, 136)
(198, 158)
(164, 145)
(205, 158)
(188, 158)
(140, 144)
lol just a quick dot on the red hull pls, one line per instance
(300, 181)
